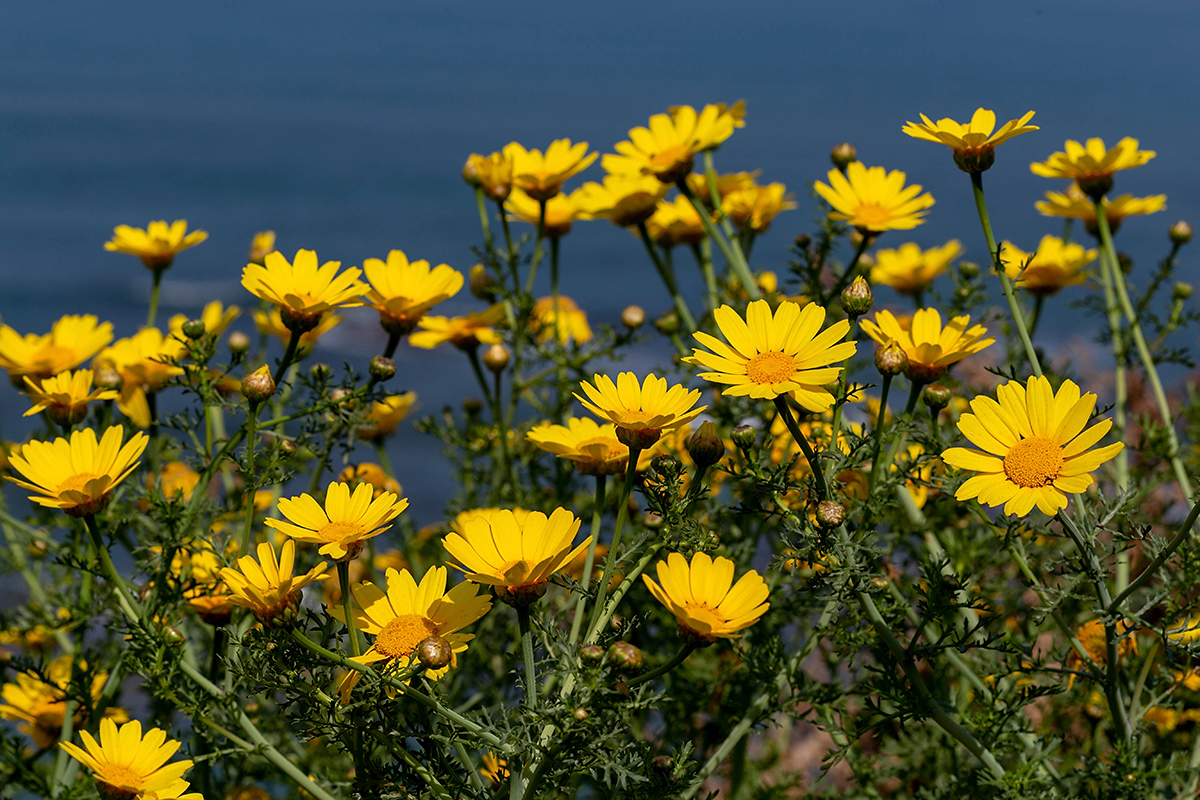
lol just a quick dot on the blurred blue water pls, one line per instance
(343, 127)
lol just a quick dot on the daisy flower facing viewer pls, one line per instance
(707, 604)
(126, 765)
(874, 200)
(302, 289)
(344, 524)
(643, 411)
(78, 474)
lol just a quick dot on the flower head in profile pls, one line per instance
(567, 325)
(156, 245)
(641, 412)
(491, 173)
(1091, 165)
(215, 316)
(728, 118)
(909, 269)
(385, 415)
(71, 341)
(267, 586)
(771, 355)
(262, 244)
(77, 474)
(145, 363)
(593, 448)
(373, 475)
(1054, 265)
(874, 200)
(403, 291)
(754, 207)
(465, 333)
(344, 524)
(974, 144)
(126, 765)
(1074, 204)
(707, 604)
(1034, 449)
(667, 148)
(271, 323)
(931, 347)
(561, 211)
(625, 200)
(38, 703)
(407, 613)
(675, 223)
(515, 558)
(302, 289)
(65, 397)
(541, 176)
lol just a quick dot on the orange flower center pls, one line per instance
(400, 637)
(771, 367)
(119, 780)
(704, 615)
(340, 531)
(77, 483)
(1033, 462)
(630, 417)
(871, 215)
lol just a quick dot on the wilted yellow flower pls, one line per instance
(675, 223)
(156, 245)
(561, 211)
(39, 706)
(65, 397)
(1074, 204)
(626, 200)
(142, 360)
(1036, 450)
(592, 447)
(267, 587)
(874, 200)
(641, 412)
(215, 316)
(372, 475)
(465, 333)
(403, 291)
(570, 322)
(302, 290)
(128, 766)
(270, 322)
(492, 173)
(385, 415)
(772, 355)
(973, 144)
(930, 347)
(77, 474)
(668, 147)
(71, 341)
(541, 176)
(515, 558)
(1052, 266)
(407, 614)
(753, 207)
(909, 269)
(346, 521)
(704, 599)
(1092, 165)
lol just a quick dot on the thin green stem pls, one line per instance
(1038, 302)
(880, 428)
(703, 254)
(668, 278)
(841, 399)
(1009, 292)
(739, 265)
(152, 315)
(610, 608)
(483, 220)
(1163, 556)
(537, 248)
(248, 518)
(392, 343)
(678, 659)
(589, 561)
(124, 599)
(611, 560)
(531, 690)
(343, 571)
(289, 355)
(852, 269)
(813, 462)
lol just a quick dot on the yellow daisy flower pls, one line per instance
(346, 521)
(71, 341)
(262, 244)
(874, 200)
(515, 558)
(270, 322)
(570, 322)
(302, 290)
(407, 614)
(1094, 638)
(707, 604)
(973, 144)
(626, 200)
(458, 524)
(753, 207)
(491, 173)
(403, 291)
(494, 768)
(592, 447)
(215, 316)
(561, 211)
(727, 116)
(156, 245)
(465, 333)
(930, 347)
(385, 415)
(1036, 448)
(39, 707)
(142, 362)
(65, 397)
(768, 356)
(129, 766)
(640, 412)
(541, 176)
(668, 147)
(675, 223)
(909, 269)
(176, 480)
(372, 475)
(267, 586)
(1052, 266)
(1074, 204)
(1092, 165)
(727, 184)
(77, 474)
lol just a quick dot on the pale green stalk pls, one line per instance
(589, 561)
(668, 278)
(739, 265)
(611, 560)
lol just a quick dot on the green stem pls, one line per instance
(610, 608)
(483, 220)
(611, 560)
(248, 519)
(679, 658)
(1038, 302)
(703, 254)
(1163, 556)
(343, 571)
(668, 278)
(840, 400)
(124, 599)
(289, 355)
(1009, 293)
(880, 428)
(531, 692)
(589, 561)
(154, 290)
(392, 343)
(739, 265)
(914, 394)
(537, 248)
(852, 269)
(813, 463)
(508, 245)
